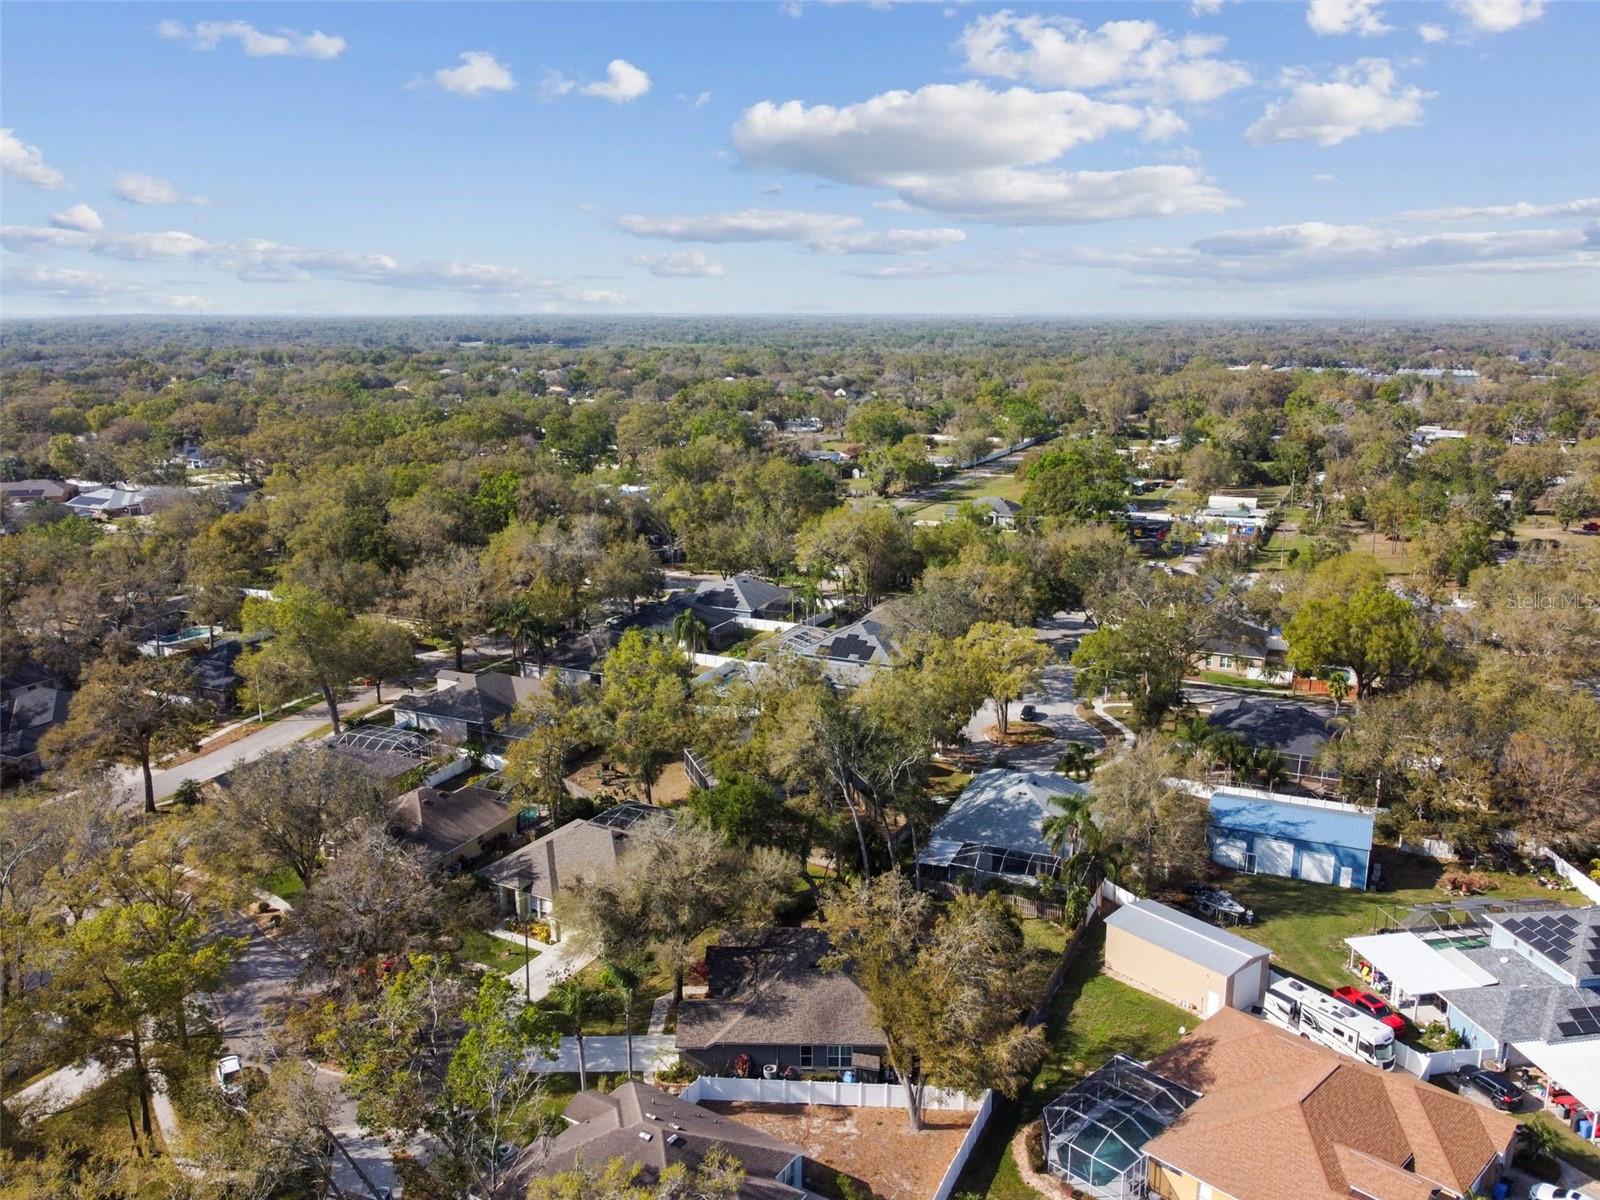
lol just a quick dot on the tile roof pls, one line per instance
(1283, 1119)
(644, 1125)
(775, 994)
(1213, 948)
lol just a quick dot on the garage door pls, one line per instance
(1274, 857)
(1318, 868)
(1230, 852)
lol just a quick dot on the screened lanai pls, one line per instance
(1095, 1134)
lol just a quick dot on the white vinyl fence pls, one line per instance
(854, 1095)
(1575, 877)
(822, 1091)
(1441, 1062)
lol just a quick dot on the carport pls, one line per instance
(1411, 968)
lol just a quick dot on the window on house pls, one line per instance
(805, 1056)
(840, 1056)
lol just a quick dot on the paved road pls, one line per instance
(288, 730)
(1055, 700)
(57, 1090)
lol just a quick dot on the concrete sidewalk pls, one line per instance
(554, 963)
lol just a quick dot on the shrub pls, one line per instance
(1033, 1145)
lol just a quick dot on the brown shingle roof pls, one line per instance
(579, 849)
(441, 822)
(776, 994)
(1283, 1119)
(613, 1126)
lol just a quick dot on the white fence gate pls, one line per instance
(1441, 1062)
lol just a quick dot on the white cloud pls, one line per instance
(1330, 17)
(1162, 124)
(1432, 33)
(1324, 178)
(1498, 16)
(623, 83)
(138, 188)
(284, 43)
(1008, 196)
(1521, 211)
(1361, 98)
(1136, 58)
(1205, 8)
(259, 260)
(1312, 251)
(60, 283)
(826, 233)
(80, 217)
(893, 204)
(22, 161)
(700, 100)
(479, 72)
(680, 264)
(936, 129)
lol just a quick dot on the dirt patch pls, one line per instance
(1020, 733)
(595, 778)
(874, 1146)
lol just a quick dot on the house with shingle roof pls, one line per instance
(741, 598)
(449, 827)
(470, 706)
(652, 1131)
(776, 1003)
(1242, 1109)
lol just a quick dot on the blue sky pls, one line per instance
(1336, 156)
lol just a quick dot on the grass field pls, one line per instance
(1305, 924)
(495, 952)
(283, 883)
(1092, 1018)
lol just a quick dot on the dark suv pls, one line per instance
(1502, 1093)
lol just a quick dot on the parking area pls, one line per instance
(1055, 702)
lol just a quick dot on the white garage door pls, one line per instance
(1274, 857)
(1318, 868)
(1230, 852)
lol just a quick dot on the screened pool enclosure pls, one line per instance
(1094, 1134)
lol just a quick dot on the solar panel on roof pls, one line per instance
(1567, 919)
(1569, 1029)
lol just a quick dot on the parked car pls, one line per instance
(1030, 713)
(1550, 1191)
(1372, 1005)
(1502, 1093)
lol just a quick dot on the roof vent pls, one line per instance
(674, 1139)
(645, 1135)
(675, 1125)
(651, 1117)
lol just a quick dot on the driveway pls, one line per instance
(553, 964)
(1055, 699)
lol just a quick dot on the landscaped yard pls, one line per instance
(1092, 1018)
(496, 952)
(1305, 924)
(283, 883)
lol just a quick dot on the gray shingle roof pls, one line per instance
(440, 822)
(644, 1125)
(776, 994)
(1210, 947)
(1567, 938)
(1526, 1005)
(744, 594)
(578, 850)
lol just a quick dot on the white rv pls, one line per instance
(1328, 1021)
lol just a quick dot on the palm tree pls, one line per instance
(1068, 827)
(1233, 752)
(622, 980)
(1268, 762)
(808, 594)
(569, 999)
(1194, 733)
(1077, 761)
(1543, 1136)
(1338, 688)
(690, 632)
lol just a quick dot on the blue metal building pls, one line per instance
(1322, 841)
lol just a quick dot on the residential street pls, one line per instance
(1055, 700)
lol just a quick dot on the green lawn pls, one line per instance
(283, 883)
(1224, 679)
(1092, 1018)
(495, 952)
(1306, 923)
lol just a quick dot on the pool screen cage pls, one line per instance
(1095, 1134)
(997, 861)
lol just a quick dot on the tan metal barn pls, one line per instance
(1184, 961)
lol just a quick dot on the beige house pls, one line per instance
(1184, 961)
